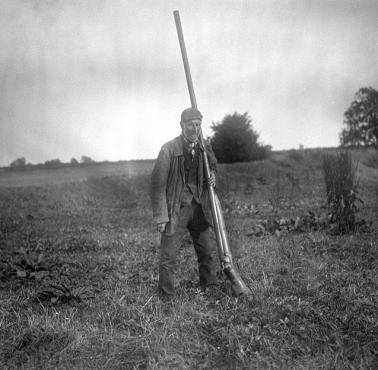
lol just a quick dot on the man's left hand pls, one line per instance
(212, 181)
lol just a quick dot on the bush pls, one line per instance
(297, 155)
(53, 163)
(235, 140)
(86, 160)
(341, 190)
(19, 162)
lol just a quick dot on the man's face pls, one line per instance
(191, 129)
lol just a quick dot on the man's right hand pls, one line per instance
(161, 227)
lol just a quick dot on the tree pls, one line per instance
(19, 162)
(361, 120)
(235, 140)
(74, 161)
(53, 163)
(84, 159)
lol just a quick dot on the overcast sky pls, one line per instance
(104, 78)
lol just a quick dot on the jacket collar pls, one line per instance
(177, 146)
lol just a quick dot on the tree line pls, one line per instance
(20, 163)
(235, 140)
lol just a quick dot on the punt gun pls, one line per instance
(238, 286)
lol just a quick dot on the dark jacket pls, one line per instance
(168, 183)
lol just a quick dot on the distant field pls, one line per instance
(37, 177)
(79, 267)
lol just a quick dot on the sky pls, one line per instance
(105, 79)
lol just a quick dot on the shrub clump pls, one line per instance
(341, 190)
(297, 155)
(235, 140)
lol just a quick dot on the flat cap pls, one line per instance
(190, 113)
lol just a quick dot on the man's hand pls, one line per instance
(212, 181)
(161, 227)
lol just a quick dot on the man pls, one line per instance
(180, 201)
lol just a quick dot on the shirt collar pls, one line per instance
(188, 145)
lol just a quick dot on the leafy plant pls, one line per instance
(59, 292)
(31, 265)
(284, 225)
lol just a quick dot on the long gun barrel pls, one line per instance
(237, 284)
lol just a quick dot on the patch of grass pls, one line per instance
(314, 294)
(39, 344)
(372, 159)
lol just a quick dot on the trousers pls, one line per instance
(191, 218)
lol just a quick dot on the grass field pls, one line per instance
(78, 273)
(73, 173)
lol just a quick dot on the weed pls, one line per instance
(295, 186)
(276, 193)
(61, 293)
(283, 225)
(31, 265)
(342, 190)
